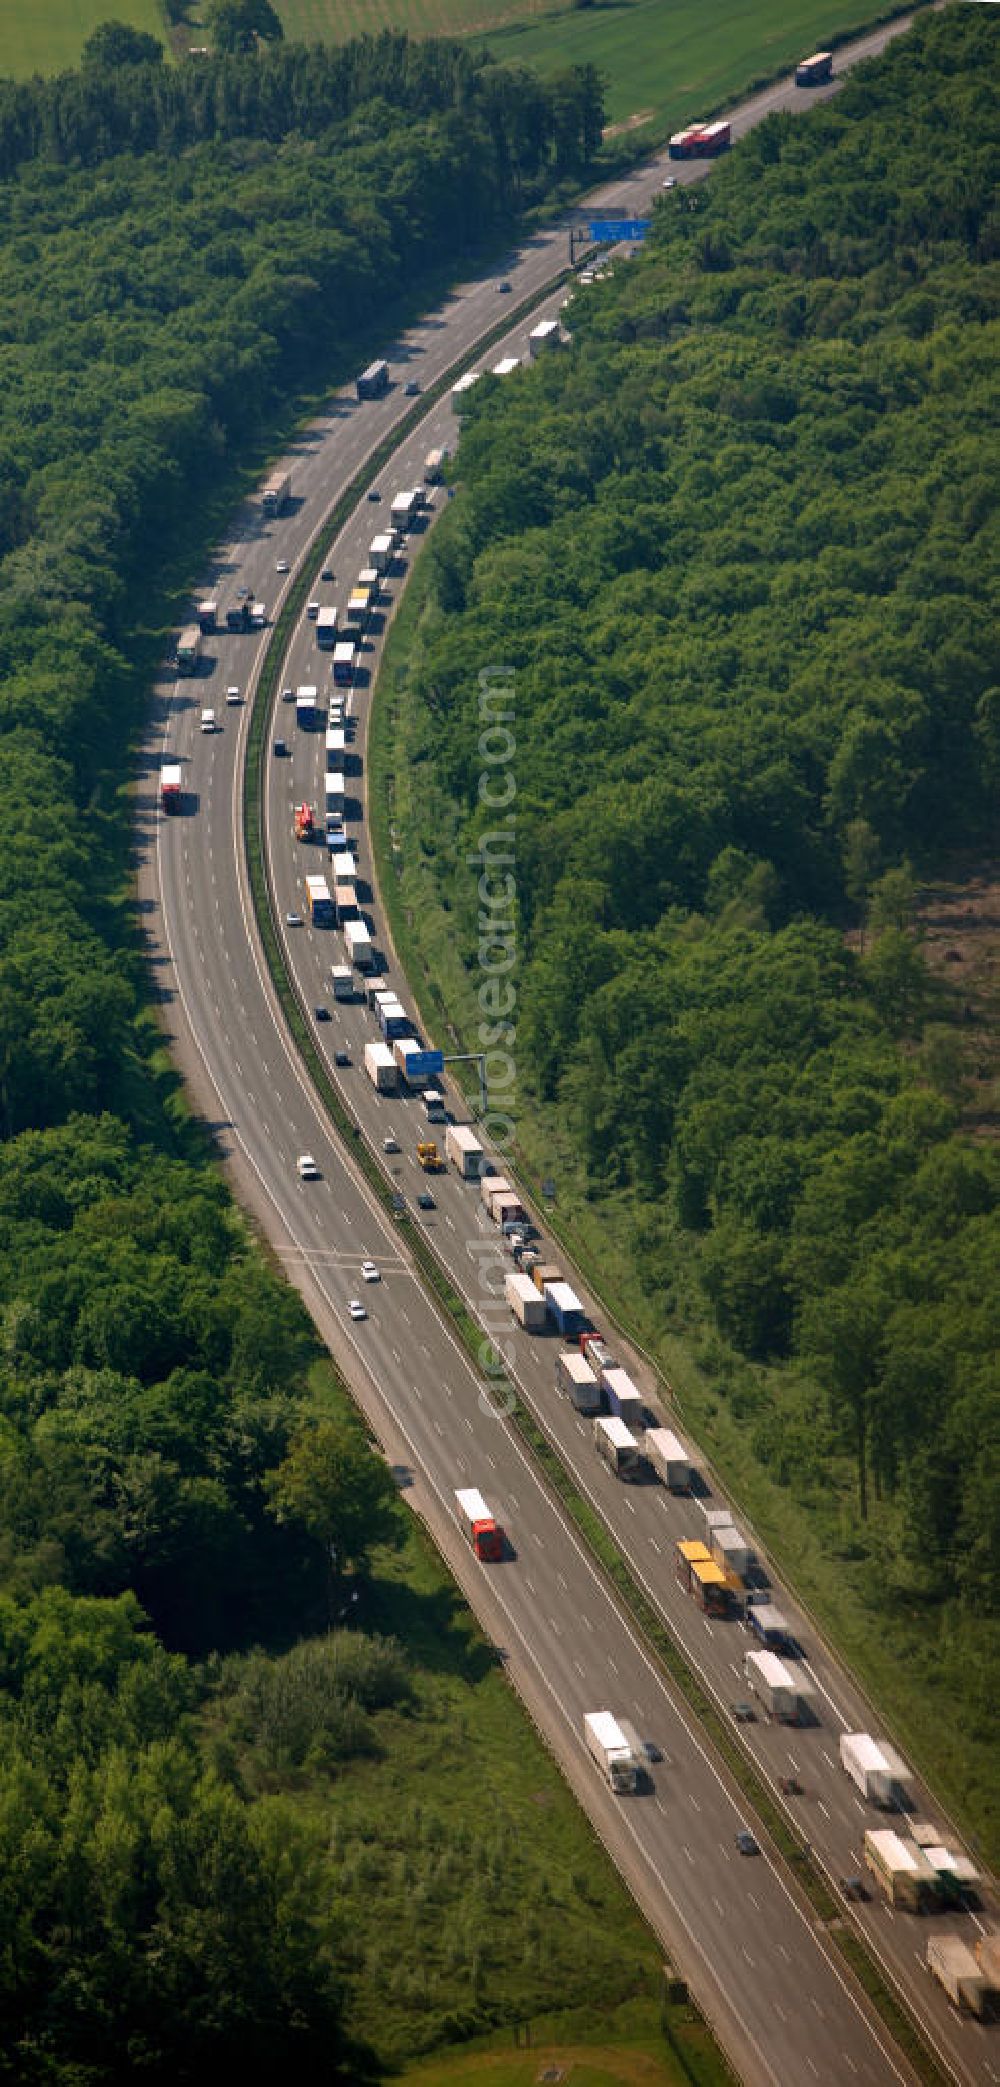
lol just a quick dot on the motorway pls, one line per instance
(764, 1975)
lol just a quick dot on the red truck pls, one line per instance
(304, 826)
(701, 141)
(482, 1532)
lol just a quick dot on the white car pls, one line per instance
(233, 694)
(208, 721)
(307, 1168)
(369, 1272)
(356, 1308)
(671, 181)
(390, 1144)
(282, 565)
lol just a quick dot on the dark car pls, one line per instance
(425, 1201)
(327, 573)
(744, 1713)
(288, 695)
(504, 287)
(412, 389)
(854, 1887)
(746, 1843)
(374, 494)
(341, 1058)
(279, 748)
(322, 1014)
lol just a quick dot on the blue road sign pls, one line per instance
(420, 1065)
(609, 230)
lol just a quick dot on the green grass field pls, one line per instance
(50, 39)
(664, 60)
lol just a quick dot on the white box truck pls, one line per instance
(619, 1448)
(875, 1767)
(380, 552)
(404, 1048)
(525, 1303)
(623, 1397)
(544, 335)
(669, 1459)
(358, 944)
(608, 1746)
(577, 1380)
(464, 1151)
(773, 1685)
(953, 1965)
(381, 1067)
(493, 1185)
(730, 1549)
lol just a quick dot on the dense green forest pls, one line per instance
(737, 548)
(198, 1874)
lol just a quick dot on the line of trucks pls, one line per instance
(916, 1872)
(706, 140)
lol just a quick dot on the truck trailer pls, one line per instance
(188, 650)
(405, 508)
(618, 1447)
(381, 1067)
(814, 71)
(491, 1185)
(623, 1397)
(565, 1308)
(525, 1302)
(773, 1685)
(875, 1767)
(730, 1549)
(464, 1151)
(405, 1048)
(344, 659)
(479, 1526)
(952, 1963)
(275, 493)
(768, 1625)
(609, 1747)
(700, 1576)
(701, 141)
(373, 382)
(544, 335)
(358, 944)
(319, 904)
(573, 1376)
(669, 1459)
(171, 788)
(901, 1870)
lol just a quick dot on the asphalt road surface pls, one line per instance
(766, 1978)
